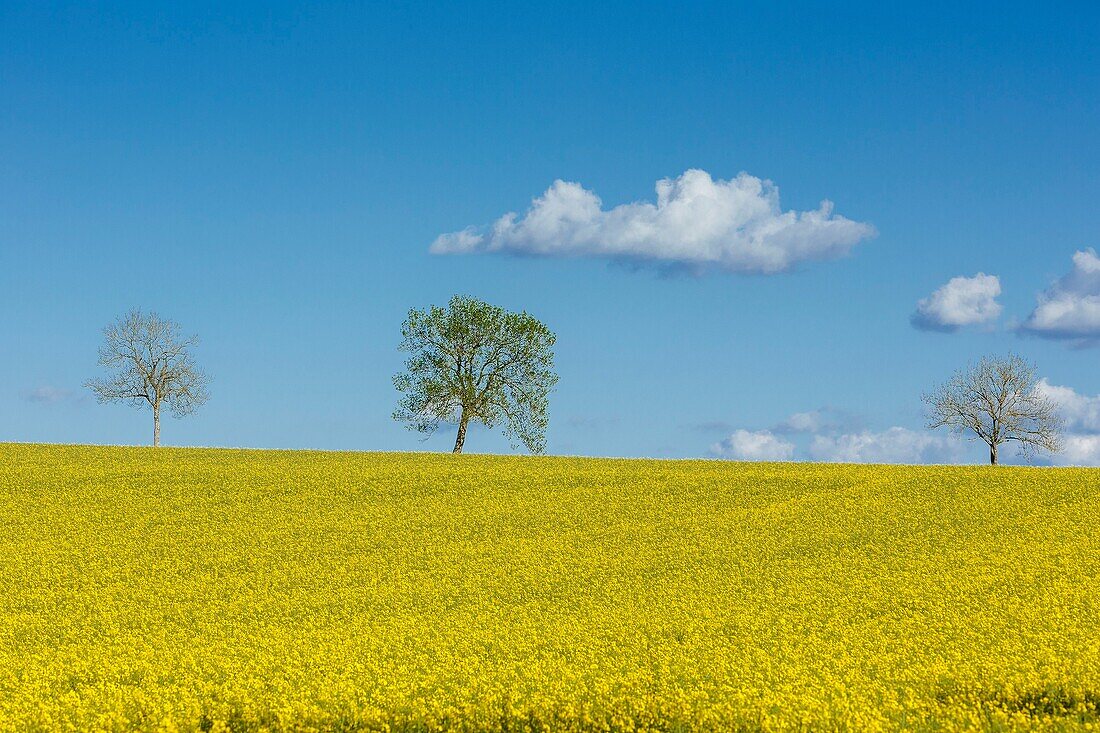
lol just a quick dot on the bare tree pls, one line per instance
(152, 366)
(998, 401)
(472, 361)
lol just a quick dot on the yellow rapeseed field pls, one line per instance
(262, 590)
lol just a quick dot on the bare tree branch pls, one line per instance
(153, 366)
(997, 401)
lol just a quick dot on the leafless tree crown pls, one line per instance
(997, 401)
(152, 365)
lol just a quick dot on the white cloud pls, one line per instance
(833, 437)
(697, 222)
(761, 445)
(821, 420)
(803, 422)
(1081, 440)
(1079, 450)
(963, 301)
(895, 445)
(1070, 308)
(1081, 412)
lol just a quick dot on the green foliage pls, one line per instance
(472, 361)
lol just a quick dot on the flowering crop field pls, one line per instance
(235, 590)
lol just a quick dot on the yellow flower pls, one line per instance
(217, 590)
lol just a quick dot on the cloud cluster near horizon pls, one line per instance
(697, 222)
(1070, 308)
(1081, 414)
(833, 440)
(962, 301)
(754, 445)
(834, 436)
(894, 445)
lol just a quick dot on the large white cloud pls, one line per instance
(962, 301)
(697, 222)
(1070, 308)
(1079, 450)
(1081, 413)
(894, 445)
(761, 445)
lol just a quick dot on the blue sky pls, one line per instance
(272, 177)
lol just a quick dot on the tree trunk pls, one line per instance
(156, 427)
(993, 455)
(461, 438)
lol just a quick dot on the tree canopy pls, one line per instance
(997, 401)
(152, 365)
(476, 362)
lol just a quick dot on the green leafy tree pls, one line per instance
(472, 361)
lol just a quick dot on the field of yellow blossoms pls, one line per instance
(212, 590)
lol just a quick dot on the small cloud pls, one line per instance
(1070, 308)
(697, 224)
(47, 395)
(821, 420)
(802, 422)
(962, 301)
(761, 445)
